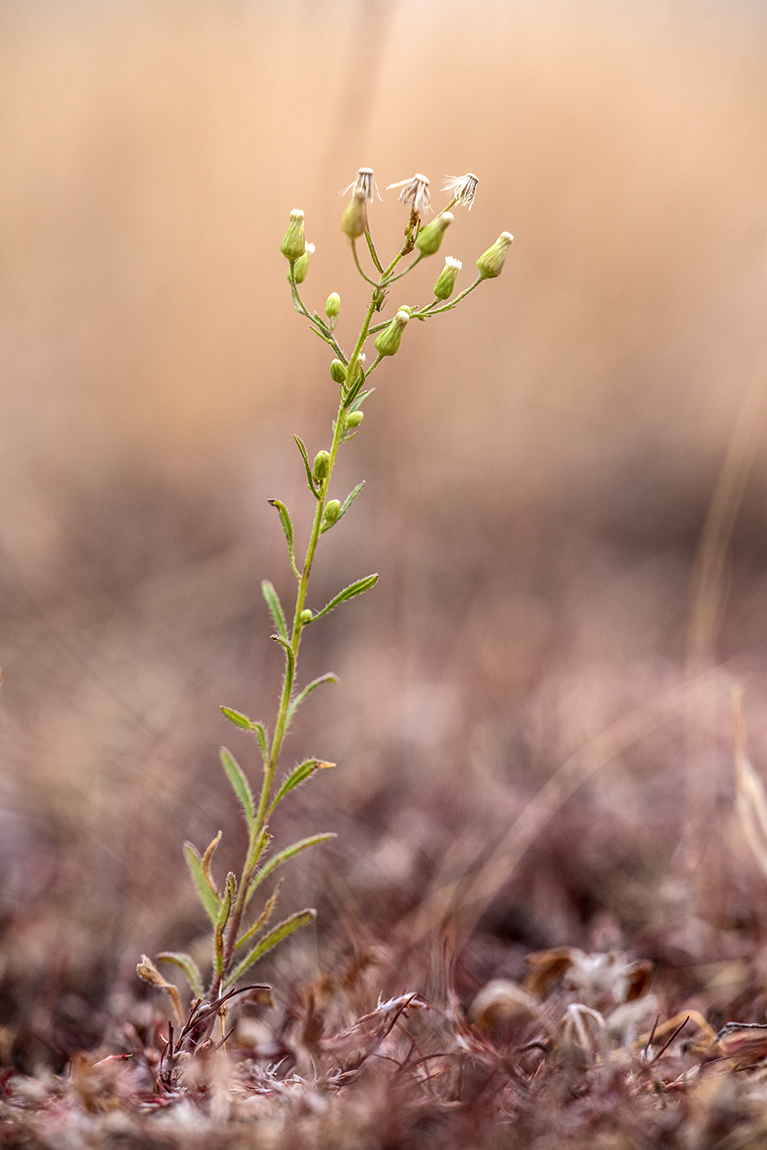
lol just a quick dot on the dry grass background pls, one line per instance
(539, 468)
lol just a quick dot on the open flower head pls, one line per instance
(415, 191)
(461, 189)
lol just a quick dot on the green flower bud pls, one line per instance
(390, 338)
(332, 512)
(354, 418)
(430, 237)
(355, 217)
(490, 263)
(294, 244)
(301, 266)
(333, 308)
(305, 617)
(337, 371)
(443, 288)
(321, 465)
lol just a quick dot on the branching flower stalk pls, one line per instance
(237, 945)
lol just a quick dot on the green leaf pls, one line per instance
(287, 527)
(288, 853)
(186, 963)
(301, 918)
(240, 786)
(358, 402)
(208, 897)
(350, 498)
(297, 776)
(315, 683)
(307, 465)
(275, 607)
(259, 731)
(238, 719)
(291, 659)
(222, 920)
(262, 919)
(348, 593)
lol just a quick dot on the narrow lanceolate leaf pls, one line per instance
(283, 856)
(186, 963)
(348, 593)
(287, 527)
(350, 498)
(315, 683)
(297, 776)
(358, 402)
(275, 607)
(290, 657)
(222, 920)
(207, 861)
(259, 731)
(208, 897)
(262, 919)
(302, 918)
(238, 719)
(307, 465)
(240, 786)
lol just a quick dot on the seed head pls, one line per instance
(294, 244)
(430, 237)
(364, 183)
(462, 189)
(443, 288)
(415, 191)
(490, 263)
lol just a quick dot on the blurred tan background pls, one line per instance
(539, 464)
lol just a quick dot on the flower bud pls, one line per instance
(443, 288)
(337, 371)
(333, 308)
(305, 617)
(490, 263)
(321, 465)
(390, 338)
(354, 418)
(294, 244)
(430, 237)
(301, 266)
(332, 512)
(355, 217)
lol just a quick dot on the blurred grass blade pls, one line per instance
(239, 785)
(275, 607)
(209, 899)
(186, 963)
(301, 918)
(315, 683)
(348, 593)
(283, 856)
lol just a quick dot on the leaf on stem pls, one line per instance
(348, 593)
(186, 963)
(238, 719)
(147, 970)
(307, 465)
(301, 918)
(287, 527)
(240, 786)
(208, 896)
(223, 919)
(207, 859)
(297, 776)
(361, 399)
(275, 607)
(350, 498)
(315, 683)
(283, 856)
(262, 919)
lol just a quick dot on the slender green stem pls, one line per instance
(359, 266)
(322, 329)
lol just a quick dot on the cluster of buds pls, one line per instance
(424, 238)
